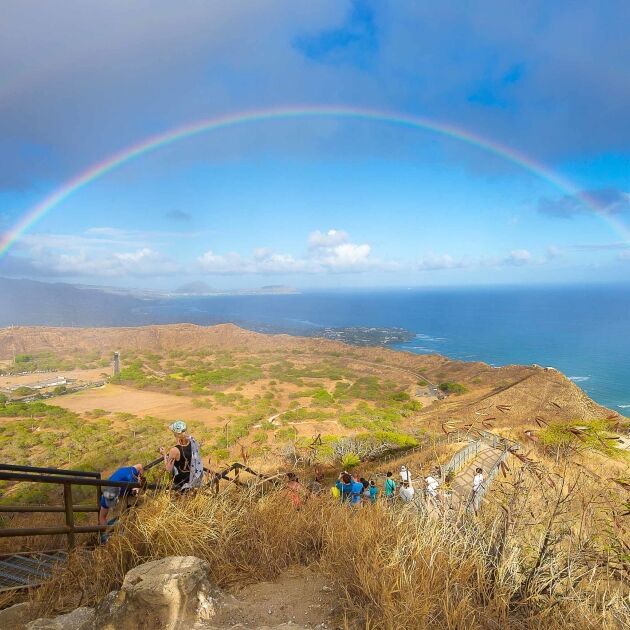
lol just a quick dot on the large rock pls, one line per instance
(79, 619)
(15, 617)
(168, 594)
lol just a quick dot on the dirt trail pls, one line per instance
(300, 598)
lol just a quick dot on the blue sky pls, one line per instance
(316, 203)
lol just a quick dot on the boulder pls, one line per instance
(16, 616)
(167, 594)
(79, 619)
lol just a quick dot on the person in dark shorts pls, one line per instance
(111, 495)
(181, 459)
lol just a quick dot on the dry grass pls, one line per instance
(514, 567)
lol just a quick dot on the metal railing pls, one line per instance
(475, 497)
(498, 441)
(67, 479)
(460, 458)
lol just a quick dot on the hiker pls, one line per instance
(478, 480)
(432, 485)
(373, 491)
(356, 494)
(344, 485)
(294, 490)
(405, 474)
(365, 495)
(183, 460)
(315, 486)
(390, 486)
(111, 495)
(406, 492)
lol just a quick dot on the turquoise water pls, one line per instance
(582, 331)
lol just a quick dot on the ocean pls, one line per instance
(584, 331)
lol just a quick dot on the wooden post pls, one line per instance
(98, 499)
(67, 502)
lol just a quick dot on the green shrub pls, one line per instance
(453, 388)
(350, 460)
(24, 391)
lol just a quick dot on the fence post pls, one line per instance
(98, 498)
(67, 502)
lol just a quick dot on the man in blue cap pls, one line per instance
(111, 494)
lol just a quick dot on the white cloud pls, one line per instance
(553, 251)
(102, 263)
(331, 238)
(328, 252)
(518, 257)
(443, 261)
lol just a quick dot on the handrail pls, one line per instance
(477, 496)
(460, 458)
(63, 478)
(77, 481)
(60, 471)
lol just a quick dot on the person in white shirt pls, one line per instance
(405, 474)
(478, 480)
(432, 486)
(406, 492)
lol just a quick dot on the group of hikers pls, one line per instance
(356, 490)
(183, 462)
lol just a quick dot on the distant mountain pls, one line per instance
(202, 288)
(195, 288)
(29, 303)
(276, 288)
(32, 303)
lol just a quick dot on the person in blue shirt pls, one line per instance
(357, 492)
(390, 487)
(373, 491)
(344, 485)
(111, 495)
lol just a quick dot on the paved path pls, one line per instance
(462, 484)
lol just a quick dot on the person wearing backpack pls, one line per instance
(373, 491)
(344, 485)
(390, 486)
(356, 492)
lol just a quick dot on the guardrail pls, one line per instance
(499, 442)
(460, 458)
(475, 497)
(67, 479)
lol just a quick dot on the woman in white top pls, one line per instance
(405, 474)
(432, 486)
(406, 492)
(477, 479)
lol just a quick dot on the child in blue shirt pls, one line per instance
(373, 491)
(390, 486)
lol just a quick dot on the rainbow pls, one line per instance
(59, 195)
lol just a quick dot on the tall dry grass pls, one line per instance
(392, 567)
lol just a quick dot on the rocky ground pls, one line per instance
(175, 594)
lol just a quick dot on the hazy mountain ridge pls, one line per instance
(33, 303)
